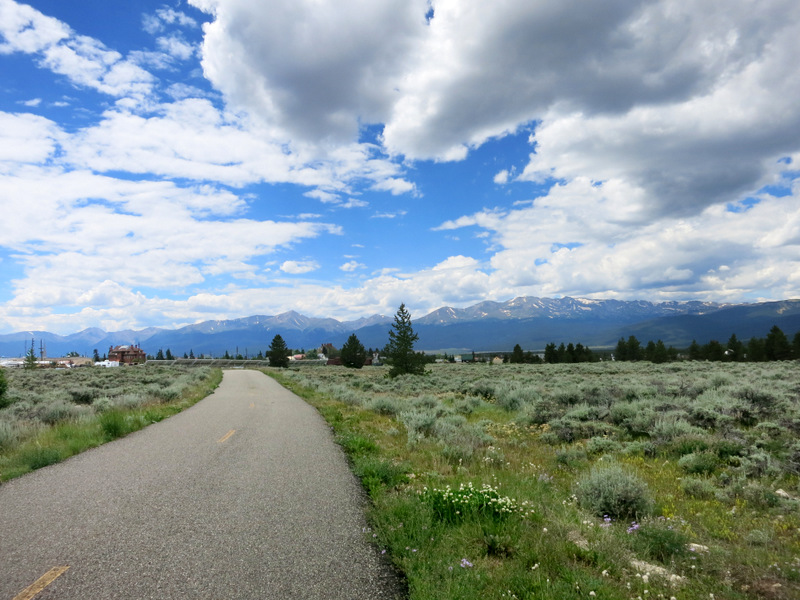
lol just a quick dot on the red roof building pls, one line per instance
(127, 355)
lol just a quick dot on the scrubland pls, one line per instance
(47, 415)
(598, 480)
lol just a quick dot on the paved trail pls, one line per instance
(245, 495)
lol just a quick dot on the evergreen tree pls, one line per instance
(160, 354)
(650, 351)
(191, 353)
(621, 353)
(353, 353)
(550, 353)
(278, 353)
(561, 353)
(570, 355)
(168, 355)
(517, 355)
(714, 351)
(30, 358)
(582, 353)
(735, 350)
(755, 350)
(400, 349)
(776, 346)
(634, 349)
(695, 352)
(95, 355)
(796, 346)
(660, 354)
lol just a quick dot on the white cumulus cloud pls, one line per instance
(352, 265)
(298, 267)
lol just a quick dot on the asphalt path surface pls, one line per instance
(244, 495)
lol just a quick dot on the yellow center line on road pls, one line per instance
(225, 437)
(41, 583)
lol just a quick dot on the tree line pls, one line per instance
(569, 353)
(399, 352)
(775, 346)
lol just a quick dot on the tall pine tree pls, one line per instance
(517, 355)
(30, 361)
(278, 353)
(353, 353)
(400, 349)
(777, 346)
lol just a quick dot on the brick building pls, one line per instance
(127, 355)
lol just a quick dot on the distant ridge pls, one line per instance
(529, 321)
(528, 307)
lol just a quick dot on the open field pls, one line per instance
(602, 480)
(48, 415)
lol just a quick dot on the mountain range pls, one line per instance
(488, 326)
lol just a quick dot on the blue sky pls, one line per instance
(164, 163)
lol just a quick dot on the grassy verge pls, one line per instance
(57, 442)
(473, 498)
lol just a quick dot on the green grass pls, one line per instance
(45, 445)
(685, 527)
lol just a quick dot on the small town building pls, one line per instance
(73, 361)
(107, 363)
(127, 355)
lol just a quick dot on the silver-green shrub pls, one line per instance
(612, 491)
(697, 487)
(467, 404)
(513, 397)
(602, 445)
(385, 405)
(540, 411)
(700, 463)
(59, 410)
(587, 412)
(9, 434)
(102, 404)
(667, 428)
(419, 423)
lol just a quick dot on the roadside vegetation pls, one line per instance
(48, 415)
(592, 480)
